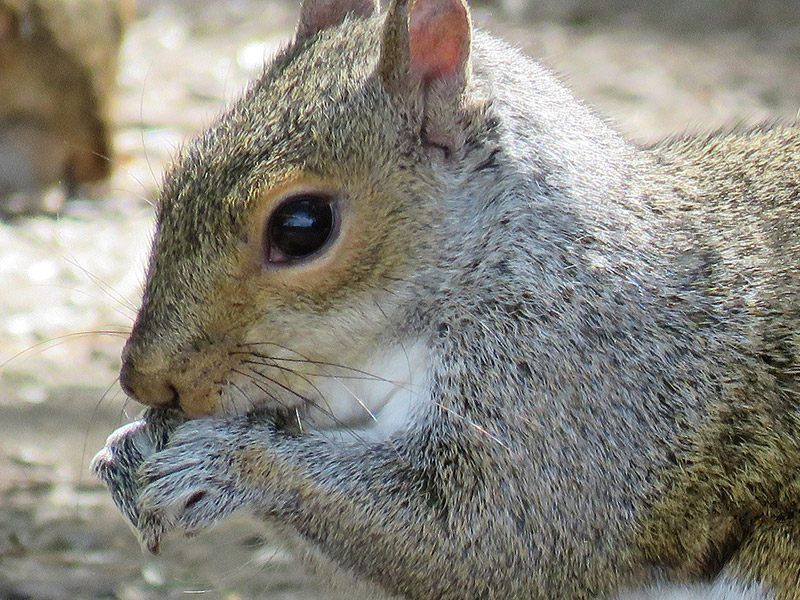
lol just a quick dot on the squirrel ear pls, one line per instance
(316, 15)
(430, 44)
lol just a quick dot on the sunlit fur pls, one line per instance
(608, 332)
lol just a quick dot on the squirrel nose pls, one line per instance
(148, 385)
(163, 377)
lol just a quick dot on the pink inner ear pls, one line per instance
(439, 36)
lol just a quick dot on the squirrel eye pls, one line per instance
(298, 228)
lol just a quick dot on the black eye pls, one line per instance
(299, 228)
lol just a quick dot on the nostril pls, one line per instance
(152, 388)
(126, 380)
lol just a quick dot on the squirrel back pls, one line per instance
(599, 338)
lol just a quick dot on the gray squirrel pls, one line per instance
(413, 302)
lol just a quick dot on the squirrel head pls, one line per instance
(290, 232)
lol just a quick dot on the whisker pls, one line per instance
(312, 384)
(58, 340)
(268, 393)
(104, 287)
(84, 293)
(327, 412)
(141, 126)
(285, 370)
(474, 425)
(266, 360)
(245, 395)
(303, 359)
(273, 360)
(307, 380)
(89, 426)
(116, 163)
(402, 347)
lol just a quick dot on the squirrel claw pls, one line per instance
(151, 528)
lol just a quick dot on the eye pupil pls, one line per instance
(299, 228)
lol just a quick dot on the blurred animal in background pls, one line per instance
(58, 67)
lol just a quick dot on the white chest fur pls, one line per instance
(379, 397)
(368, 400)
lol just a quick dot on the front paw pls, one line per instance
(126, 449)
(192, 484)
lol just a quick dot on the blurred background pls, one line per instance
(97, 95)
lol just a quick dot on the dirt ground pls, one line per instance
(70, 284)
